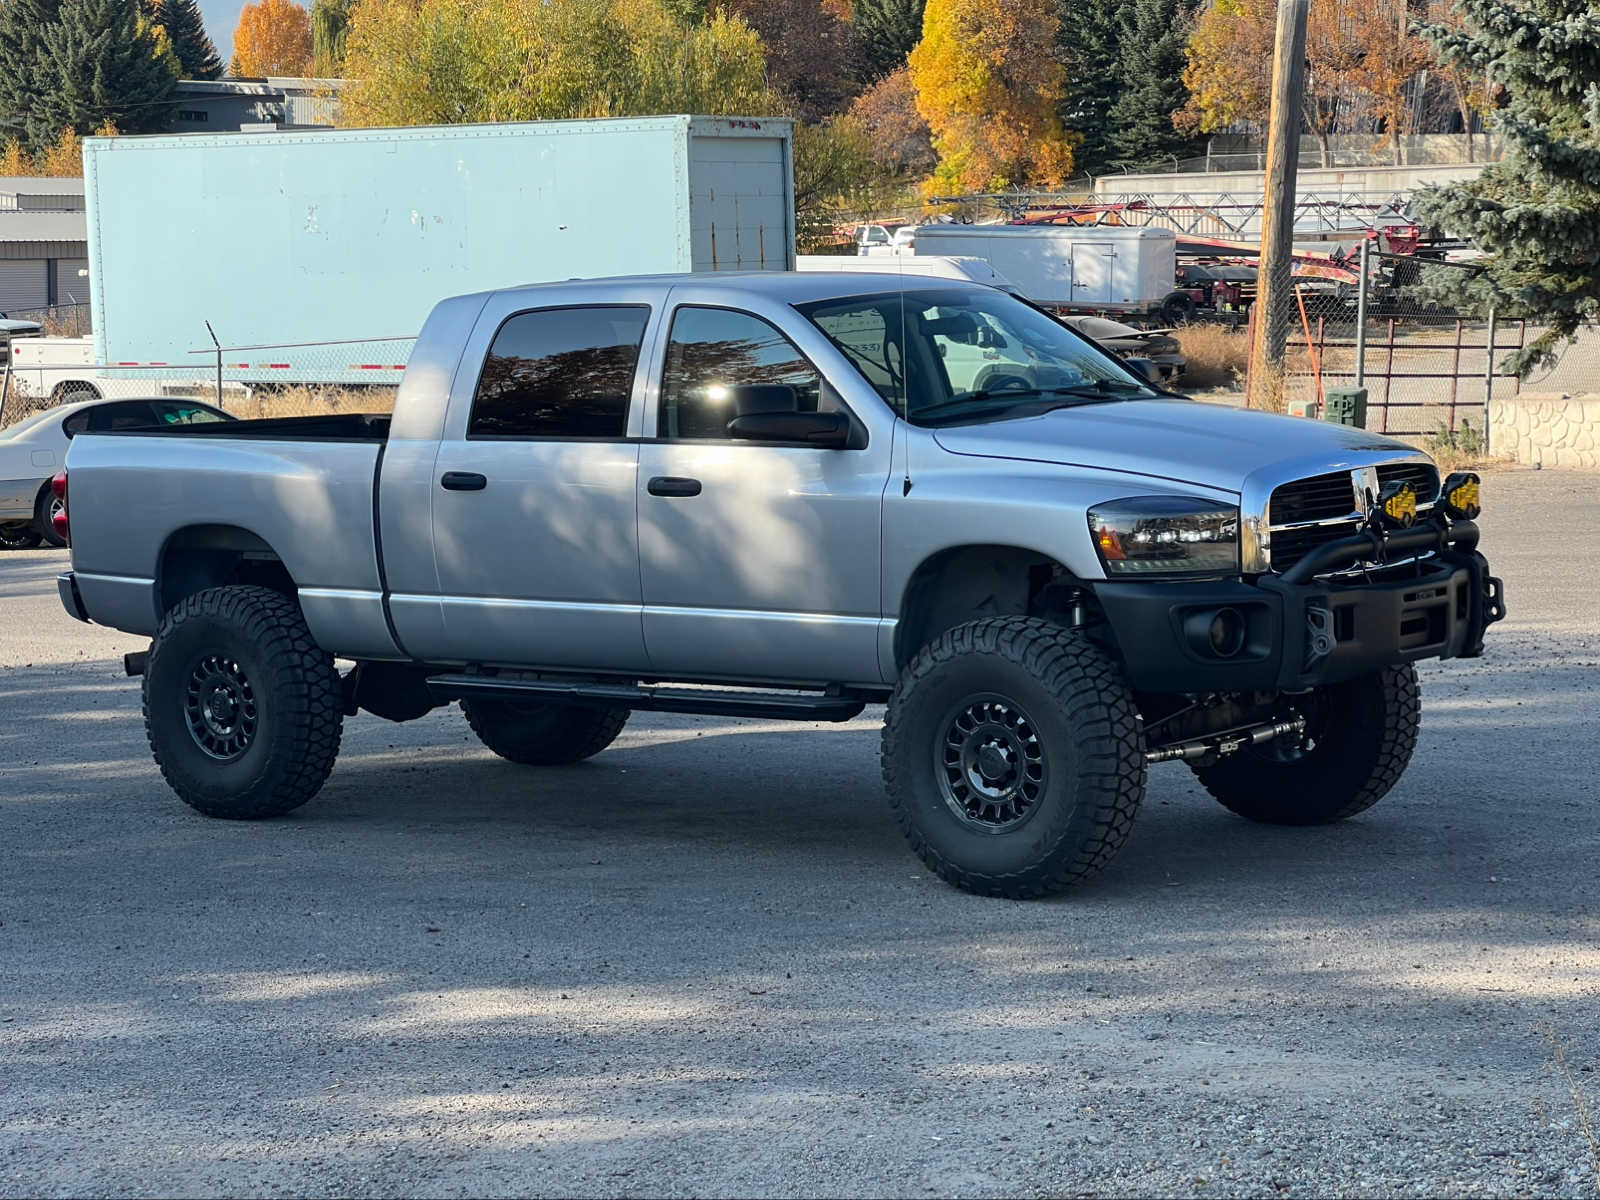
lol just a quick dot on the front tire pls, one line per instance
(543, 735)
(18, 535)
(1359, 741)
(1013, 757)
(242, 708)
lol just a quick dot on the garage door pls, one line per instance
(24, 284)
(71, 288)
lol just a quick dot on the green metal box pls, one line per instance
(1345, 406)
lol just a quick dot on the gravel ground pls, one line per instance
(705, 964)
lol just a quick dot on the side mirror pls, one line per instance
(1144, 369)
(824, 430)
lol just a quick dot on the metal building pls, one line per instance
(44, 252)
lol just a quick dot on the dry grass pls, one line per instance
(1218, 356)
(311, 401)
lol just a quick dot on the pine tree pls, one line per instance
(1535, 214)
(888, 30)
(197, 54)
(22, 68)
(1090, 48)
(1154, 49)
(104, 64)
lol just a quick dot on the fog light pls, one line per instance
(1460, 496)
(1227, 633)
(1397, 505)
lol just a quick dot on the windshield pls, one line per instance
(951, 356)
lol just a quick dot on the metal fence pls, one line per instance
(59, 320)
(269, 380)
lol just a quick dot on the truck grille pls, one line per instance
(1311, 512)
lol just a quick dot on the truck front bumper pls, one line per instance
(1295, 631)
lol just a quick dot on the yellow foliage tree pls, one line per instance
(1229, 73)
(440, 62)
(989, 89)
(273, 37)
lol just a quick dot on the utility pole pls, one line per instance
(1274, 287)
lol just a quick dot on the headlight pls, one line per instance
(1166, 535)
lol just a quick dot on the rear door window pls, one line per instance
(560, 373)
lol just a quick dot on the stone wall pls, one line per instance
(1547, 429)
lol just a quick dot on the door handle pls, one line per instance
(673, 485)
(463, 481)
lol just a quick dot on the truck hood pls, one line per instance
(1180, 440)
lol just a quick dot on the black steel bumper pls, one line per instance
(1300, 631)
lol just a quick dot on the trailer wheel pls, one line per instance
(1359, 739)
(543, 735)
(242, 708)
(73, 390)
(1013, 757)
(1177, 309)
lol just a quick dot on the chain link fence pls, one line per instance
(266, 380)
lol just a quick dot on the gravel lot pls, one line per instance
(704, 963)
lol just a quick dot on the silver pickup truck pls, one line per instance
(790, 495)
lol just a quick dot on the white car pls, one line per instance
(32, 451)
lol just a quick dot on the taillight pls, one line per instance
(58, 511)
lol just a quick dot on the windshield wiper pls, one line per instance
(1098, 391)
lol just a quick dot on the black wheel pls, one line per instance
(73, 390)
(44, 514)
(1358, 742)
(543, 735)
(1013, 757)
(1177, 309)
(18, 535)
(242, 708)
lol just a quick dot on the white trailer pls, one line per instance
(1069, 267)
(966, 269)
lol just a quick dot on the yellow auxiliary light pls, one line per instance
(1460, 496)
(1397, 505)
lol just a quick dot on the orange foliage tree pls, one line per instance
(990, 88)
(273, 37)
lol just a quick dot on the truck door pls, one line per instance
(1091, 272)
(759, 560)
(533, 491)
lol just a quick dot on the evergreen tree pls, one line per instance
(888, 30)
(1154, 47)
(330, 19)
(23, 74)
(1535, 214)
(197, 54)
(1090, 48)
(104, 64)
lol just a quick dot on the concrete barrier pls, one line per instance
(1547, 429)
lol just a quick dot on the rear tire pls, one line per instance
(1361, 737)
(18, 535)
(1013, 757)
(242, 708)
(543, 735)
(44, 511)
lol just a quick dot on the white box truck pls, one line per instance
(294, 245)
(1071, 268)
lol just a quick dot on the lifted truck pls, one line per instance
(793, 495)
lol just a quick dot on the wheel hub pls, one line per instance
(991, 763)
(220, 708)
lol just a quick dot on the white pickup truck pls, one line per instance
(793, 495)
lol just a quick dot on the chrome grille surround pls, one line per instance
(1366, 468)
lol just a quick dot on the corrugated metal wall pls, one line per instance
(24, 284)
(70, 287)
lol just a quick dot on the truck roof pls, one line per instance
(792, 287)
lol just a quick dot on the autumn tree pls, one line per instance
(273, 37)
(1536, 213)
(1229, 65)
(186, 28)
(814, 59)
(899, 142)
(1470, 87)
(888, 30)
(989, 87)
(1390, 57)
(330, 23)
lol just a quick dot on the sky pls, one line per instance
(221, 16)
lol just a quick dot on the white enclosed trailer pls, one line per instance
(1073, 267)
(284, 240)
